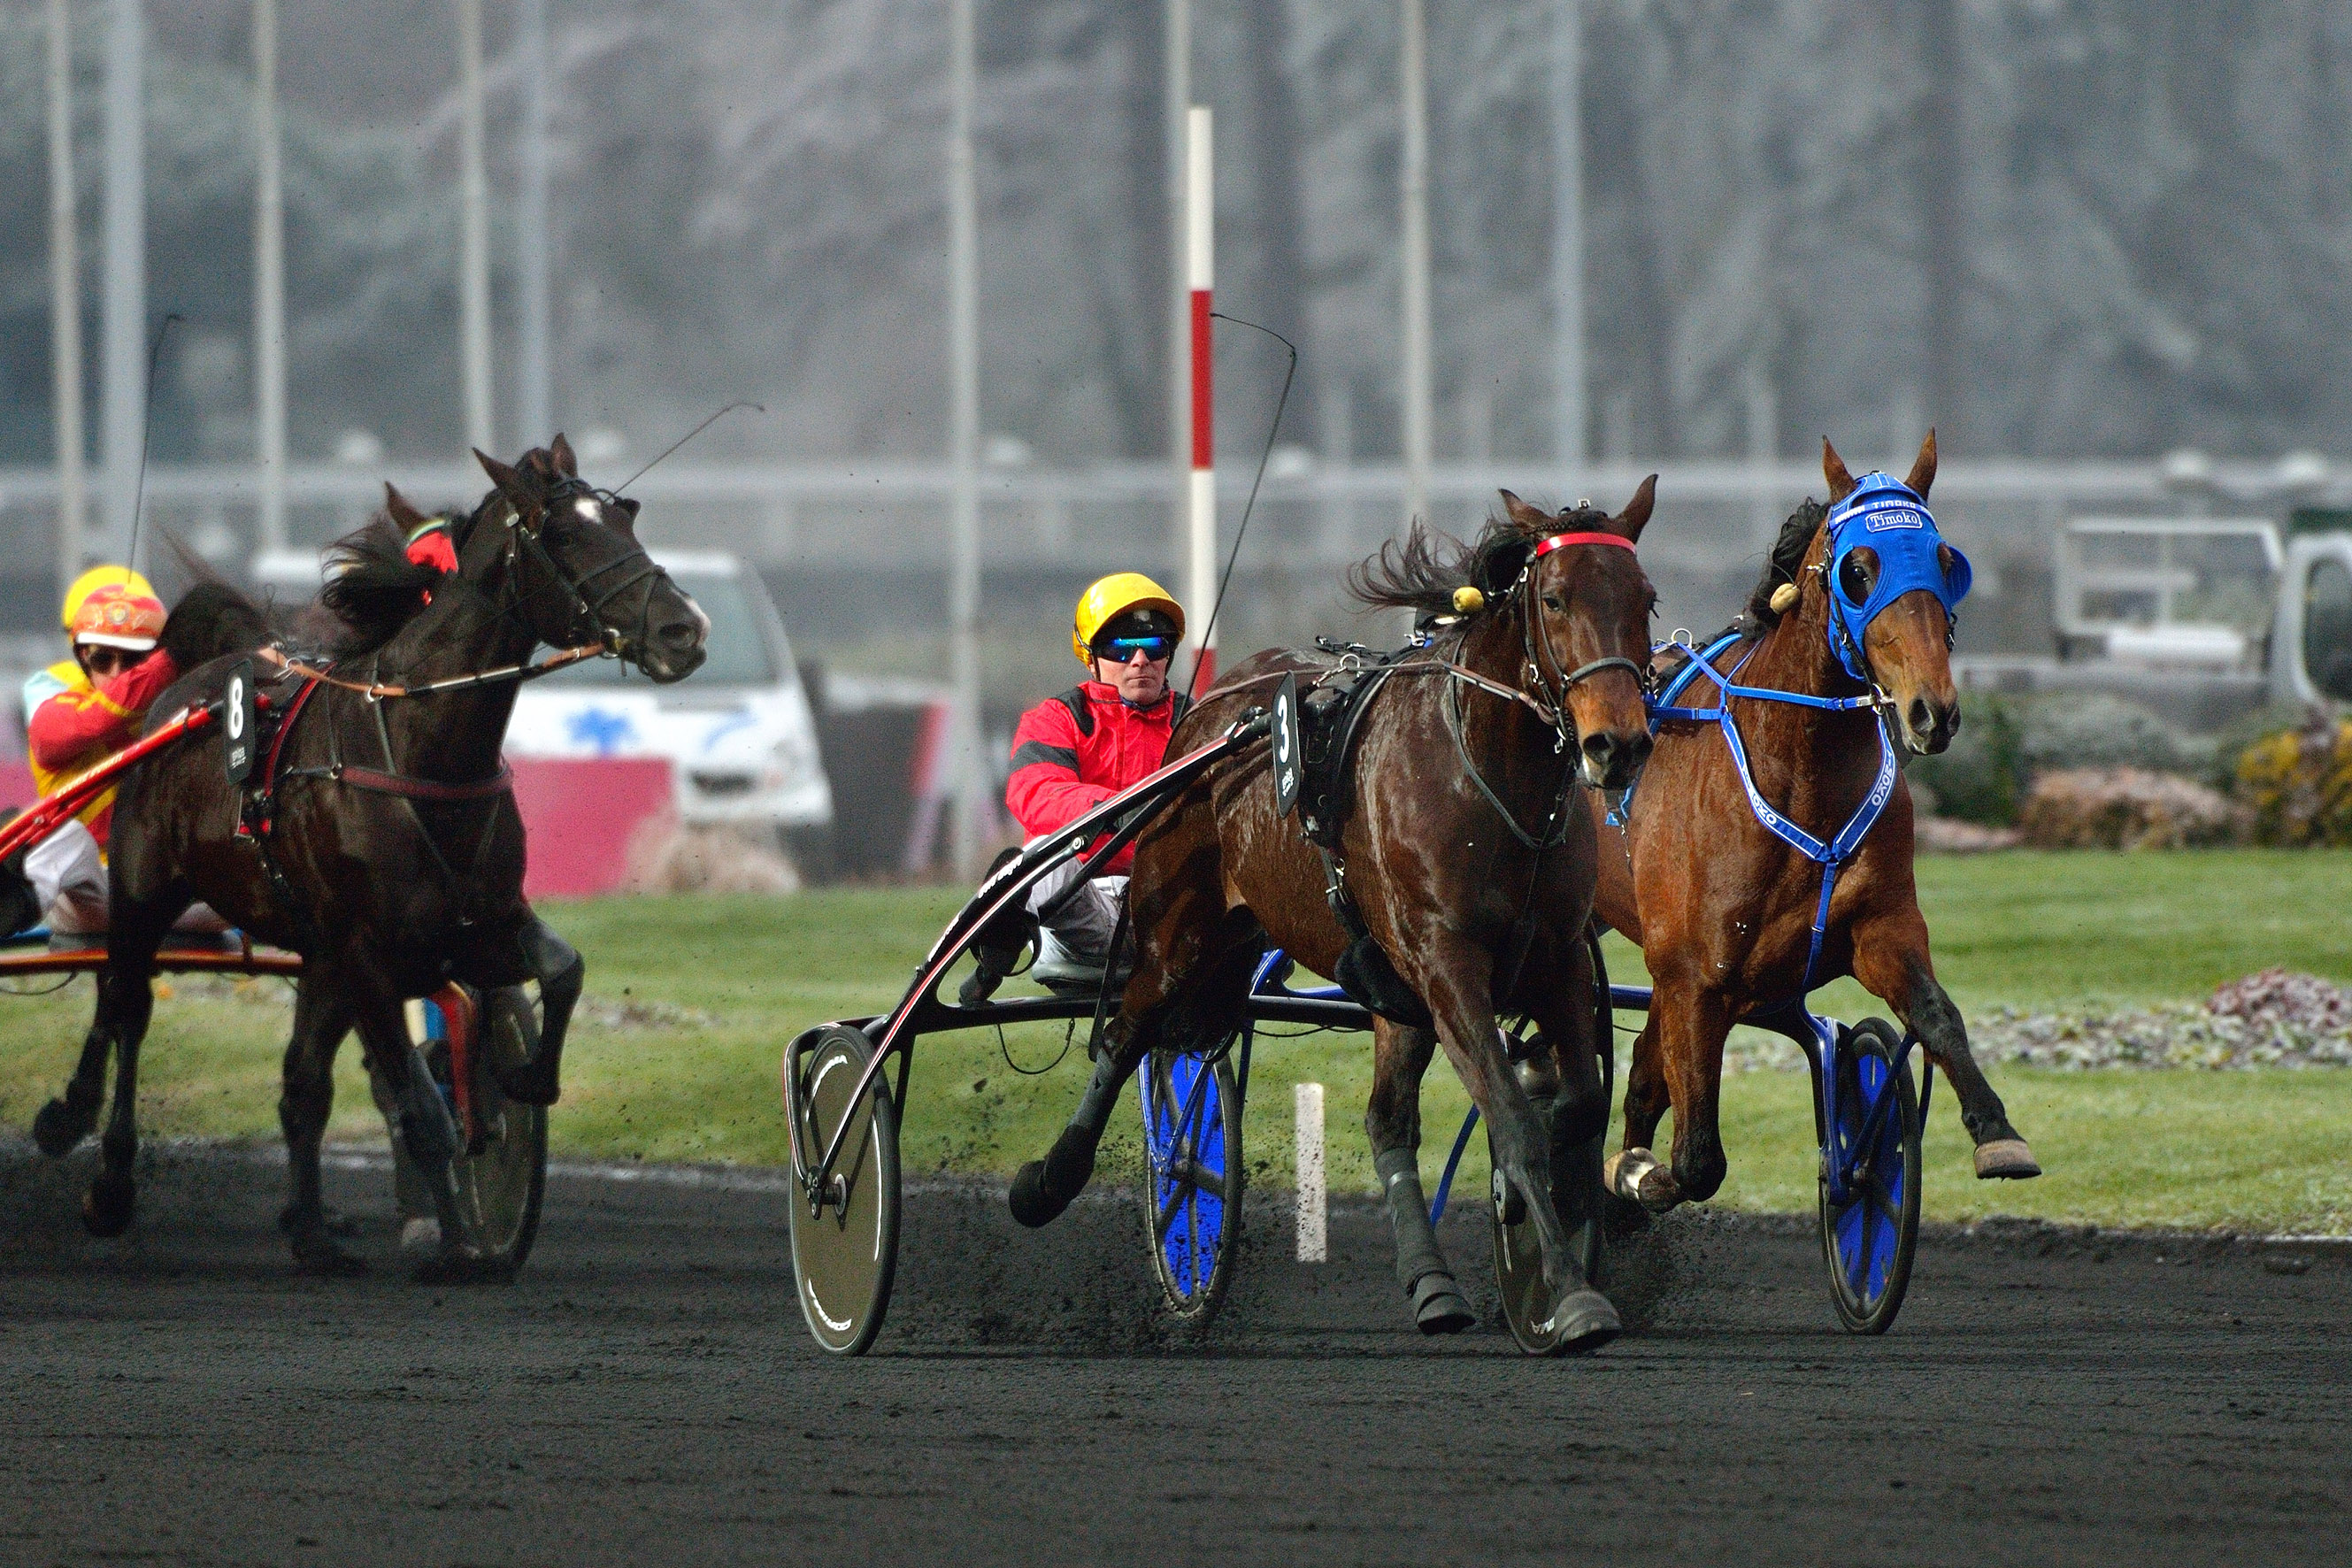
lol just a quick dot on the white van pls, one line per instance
(739, 732)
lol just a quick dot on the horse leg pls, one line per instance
(112, 1198)
(1690, 1026)
(428, 1133)
(61, 1124)
(306, 1096)
(1579, 1111)
(1890, 959)
(1194, 1009)
(561, 971)
(1401, 1056)
(1633, 1174)
(1456, 985)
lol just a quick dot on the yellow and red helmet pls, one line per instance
(115, 615)
(99, 577)
(1110, 597)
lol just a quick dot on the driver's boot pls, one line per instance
(997, 949)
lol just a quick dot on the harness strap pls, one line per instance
(413, 788)
(1832, 854)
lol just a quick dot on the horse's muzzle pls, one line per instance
(1928, 726)
(676, 645)
(1612, 762)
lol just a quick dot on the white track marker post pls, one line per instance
(64, 296)
(1200, 276)
(474, 232)
(1313, 1205)
(268, 283)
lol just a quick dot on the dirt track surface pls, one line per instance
(647, 1394)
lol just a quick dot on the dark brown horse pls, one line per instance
(1466, 852)
(1724, 910)
(389, 854)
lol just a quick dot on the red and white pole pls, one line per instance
(1201, 254)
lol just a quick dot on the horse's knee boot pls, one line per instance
(1438, 1305)
(61, 1124)
(1044, 1188)
(561, 973)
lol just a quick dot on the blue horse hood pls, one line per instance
(1892, 520)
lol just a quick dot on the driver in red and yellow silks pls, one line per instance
(1073, 752)
(78, 713)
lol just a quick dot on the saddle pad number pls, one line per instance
(1289, 770)
(239, 718)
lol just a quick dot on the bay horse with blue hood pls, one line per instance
(377, 835)
(1725, 865)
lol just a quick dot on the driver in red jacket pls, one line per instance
(1072, 752)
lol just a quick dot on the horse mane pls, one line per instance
(1781, 567)
(212, 618)
(373, 589)
(1422, 572)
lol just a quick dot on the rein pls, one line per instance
(381, 691)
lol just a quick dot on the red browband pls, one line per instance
(1562, 541)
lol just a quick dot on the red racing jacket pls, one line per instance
(1072, 752)
(82, 723)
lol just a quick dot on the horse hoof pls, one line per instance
(1581, 1322)
(2006, 1160)
(1439, 1307)
(107, 1207)
(1033, 1202)
(59, 1128)
(1044, 1188)
(1622, 1171)
(534, 1083)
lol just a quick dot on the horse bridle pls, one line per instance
(1555, 683)
(586, 613)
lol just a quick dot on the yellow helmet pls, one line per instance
(1110, 597)
(94, 579)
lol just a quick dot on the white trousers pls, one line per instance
(68, 877)
(69, 880)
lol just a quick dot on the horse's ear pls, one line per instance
(1636, 515)
(1528, 519)
(1833, 469)
(510, 484)
(397, 506)
(1923, 470)
(562, 451)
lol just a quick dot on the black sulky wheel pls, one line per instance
(1869, 1236)
(501, 1175)
(845, 1245)
(1519, 1258)
(1191, 1201)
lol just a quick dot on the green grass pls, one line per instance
(2257, 1150)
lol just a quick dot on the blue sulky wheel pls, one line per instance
(1192, 1204)
(1870, 1230)
(845, 1245)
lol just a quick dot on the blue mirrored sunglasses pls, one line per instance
(1119, 650)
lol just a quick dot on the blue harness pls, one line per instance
(1894, 522)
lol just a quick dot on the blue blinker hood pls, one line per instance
(1891, 518)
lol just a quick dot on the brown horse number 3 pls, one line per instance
(1530, 687)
